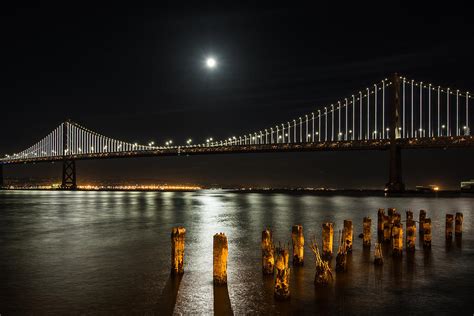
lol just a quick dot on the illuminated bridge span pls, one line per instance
(390, 115)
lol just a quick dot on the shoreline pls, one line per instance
(338, 192)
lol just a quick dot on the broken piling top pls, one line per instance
(268, 259)
(328, 239)
(177, 249)
(282, 274)
(297, 239)
(458, 224)
(449, 226)
(348, 235)
(409, 215)
(366, 231)
(323, 272)
(220, 252)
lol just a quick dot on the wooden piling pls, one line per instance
(177, 250)
(396, 218)
(341, 258)
(380, 221)
(367, 223)
(348, 235)
(427, 233)
(458, 224)
(328, 240)
(268, 258)
(422, 220)
(387, 228)
(397, 239)
(409, 215)
(391, 211)
(323, 274)
(378, 256)
(411, 235)
(297, 239)
(220, 252)
(449, 226)
(282, 274)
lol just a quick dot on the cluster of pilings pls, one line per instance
(275, 259)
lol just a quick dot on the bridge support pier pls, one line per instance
(69, 175)
(395, 170)
(395, 183)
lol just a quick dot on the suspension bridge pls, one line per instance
(393, 114)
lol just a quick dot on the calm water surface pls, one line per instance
(109, 252)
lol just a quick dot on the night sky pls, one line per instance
(137, 74)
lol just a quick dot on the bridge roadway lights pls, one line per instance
(69, 175)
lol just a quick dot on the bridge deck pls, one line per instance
(379, 144)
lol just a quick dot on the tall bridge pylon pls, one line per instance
(395, 182)
(69, 165)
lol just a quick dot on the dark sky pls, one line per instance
(136, 74)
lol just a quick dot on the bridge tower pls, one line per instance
(69, 165)
(395, 183)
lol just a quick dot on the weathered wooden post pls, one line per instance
(449, 226)
(396, 218)
(348, 235)
(391, 211)
(177, 250)
(458, 224)
(328, 239)
(427, 233)
(378, 256)
(409, 215)
(220, 252)
(411, 235)
(380, 221)
(397, 239)
(341, 258)
(297, 239)
(422, 220)
(323, 271)
(387, 228)
(268, 259)
(367, 223)
(282, 274)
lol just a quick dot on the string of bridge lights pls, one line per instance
(272, 134)
(267, 135)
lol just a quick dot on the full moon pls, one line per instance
(211, 62)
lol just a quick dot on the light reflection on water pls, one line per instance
(92, 252)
